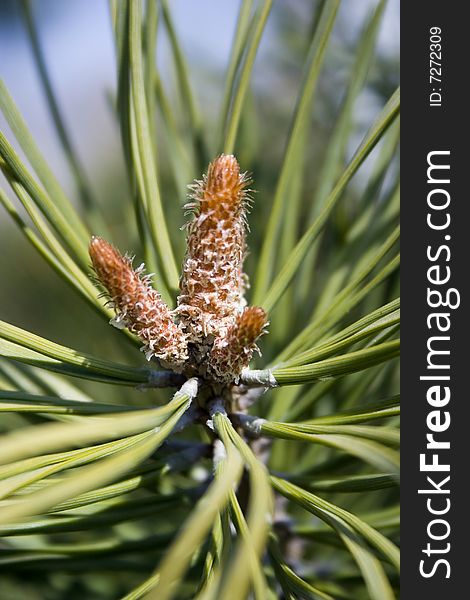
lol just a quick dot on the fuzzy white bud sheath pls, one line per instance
(138, 306)
(213, 283)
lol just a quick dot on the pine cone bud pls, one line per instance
(138, 306)
(213, 283)
(232, 353)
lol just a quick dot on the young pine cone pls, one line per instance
(138, 306)
(215, 333)
(232, 352)
(213, 283)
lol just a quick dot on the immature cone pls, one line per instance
(231, 353)
(213, 283)
(216, 334)
(138, 306)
